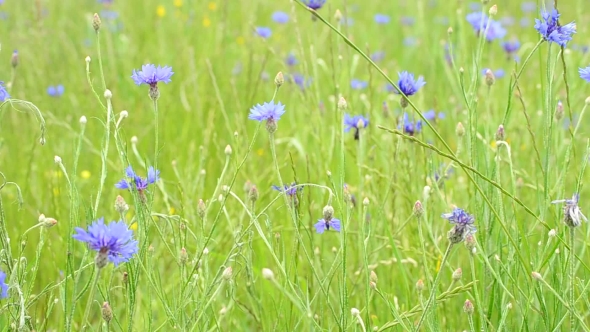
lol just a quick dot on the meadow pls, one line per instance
(294, 165)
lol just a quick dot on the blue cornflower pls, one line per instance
(269, 112)
(113, 241)
(585, 73)
(408, 84)
(314, 4)
(289, 190)
(463, 225)
(511, 46)
(291, 60)
(3, 286)
(356, 84)
(497, 73)
(3, 93)
(382, 19)
(324, 225)
(280, 17)
(55, 91)
(572, 215)
(352, 122)
(263, 32)
(552, 31)
(377, 56)
(479, 21)
(151, 75)
(301, 81)
(431, 115)
(410, 127)
(137, 182)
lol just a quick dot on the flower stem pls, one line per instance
(157, 134)
(90, 299)
(572, 280)
(434, 285)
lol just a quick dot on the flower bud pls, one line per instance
(537, 276)
(366, 201)
(418, 209)
(268, 274)
(500, 134)
(134, 140)
(450, 31)
(342, 105)
(373, 277)
(490, 78)
(587, 101)
(279, 79)
(328, 213)
(338, 15)
(83, 120)
(120, 205)
(552, 233)
(183, 256)
(559, 111)
(14, 59)
(47, 222)
(107, 312)
(468, 307)
(247, 186)
(470, 242)
(228, 150)
(201, 208)
(205, 251)
(493, 10)
(355, 312)
(253, 194)
(96, 22)
(419, 285)
(457, 275)
(108, 94)
(57, 159)
(87, 59)
(227, 273)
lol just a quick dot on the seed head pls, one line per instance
(87, 59)
(450, 31)
(559, 111)
(134, 140)
(470, 242)
(468, 307)
(587, 101)
(107, 312)
(47, 222)
(552, 233)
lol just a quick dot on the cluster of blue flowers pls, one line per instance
(481, 22)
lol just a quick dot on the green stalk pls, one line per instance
(572, 275)
(90, 299)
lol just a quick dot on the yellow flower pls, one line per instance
(240, 40)
(177, 3)
(260, 152)
(55, 191)
(206, 22)
(85, 174)
(58, 174)
(172, 210)
(493, 144)
(438, 263)
(160, 11)
(212, 6)
(133, 226)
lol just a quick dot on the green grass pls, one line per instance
(200, 265)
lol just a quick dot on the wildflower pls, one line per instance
(291, 60)
(280, 17)
(499, 73)
(356, 84)
(301, 81)
(314, 4)
(408, 84)
(352, 122)
(382, 19)
(140, 183)
(572, 215)
(151, 75)
(468, 307)
(3, 93)
(463, 225)
(55, 91)
(263, 32)
(410, 127)
(585, 73)
(377, 56)
(289, 190)
(511, 47)
(431, 115)
(113, 241)
(552, 31)
(269, 112)
(3, 286)
(328, 221)
(107, 312)
(480, 21)
(418, 209)
(420, 285)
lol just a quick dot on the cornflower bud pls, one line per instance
(107, 312)
(460, 130)
(500, 134)
(279, 79)
(268, 274)
(96, 23)
(468, 307)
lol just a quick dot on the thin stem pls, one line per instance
(157, 134)
(434, 285)
(572, 279)
(90, 299)
(471, 325)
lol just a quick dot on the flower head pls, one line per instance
(280, 17)
(151, 75)
(408, 84)
(357, 84)
(377, 56)
(134, 180)
(114, 241)
(291, 60)
(55, 91)
(499, 73)
(572, 215)
(3, 93)
(463, 222)
(511, 47)
(289, 190)
(480, 21)
(301, 81)
(3, 286)
(382, 19)
(552, 31)
(267, 111)
(410, 126)
(324, 225)
(585, 73)
(263, 32)
(314, 4)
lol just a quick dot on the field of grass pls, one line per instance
(497, 134)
